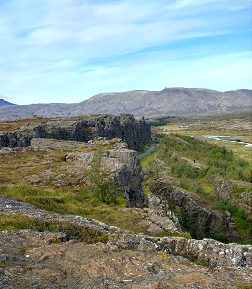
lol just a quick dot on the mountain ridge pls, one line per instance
(175, 101)
(4, 102)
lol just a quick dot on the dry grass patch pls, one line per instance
(75, 202)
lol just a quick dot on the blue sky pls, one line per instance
(70, 50)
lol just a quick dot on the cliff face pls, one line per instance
(208, 220)
(136, 133)
(124, 165)
(14, 139)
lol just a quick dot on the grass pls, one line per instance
(145, 161)
(239, 149)
(178, 153)
(81, 233)
(235, 124)
(14, 124)
(5, 264)
(74, 201)
(173, 127)
(26, 162)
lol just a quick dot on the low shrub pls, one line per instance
(73, 231)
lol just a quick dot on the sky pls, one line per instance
(69, 50)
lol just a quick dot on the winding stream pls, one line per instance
(148, 151)
(218, 137)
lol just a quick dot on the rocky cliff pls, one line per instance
(31, 259)
(123, 164)
(14, 139)
(227, 190)
(69, 164)
(209, 221)
(136, 133)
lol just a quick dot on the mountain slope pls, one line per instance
(169, 101)
(4, 102)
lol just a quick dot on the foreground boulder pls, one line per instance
(31, 259)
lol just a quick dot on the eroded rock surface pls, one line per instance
(34, 260)
(184, 200)
(45, 260)
(225, 254)
(124, 165)
(136, 133)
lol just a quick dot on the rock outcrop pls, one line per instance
(229, 190)
(206, 250)
(125, 167)
(67, 163)
(136, 133)
(207, 219)
(14, 139)
(34, 260)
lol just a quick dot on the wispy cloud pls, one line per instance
(62, 48)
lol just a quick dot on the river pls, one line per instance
(147, 152)
(218, 137)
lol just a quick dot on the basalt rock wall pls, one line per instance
(125, 167)
(208, 220)
(14, 139)
(207, 250)
(136, 133)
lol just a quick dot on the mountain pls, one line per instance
(4, 102)
(169, 101)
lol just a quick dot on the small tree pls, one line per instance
(102, 184)
(247, 174)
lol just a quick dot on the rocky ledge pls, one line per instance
(30, 259)
(182, 200)
(136, 133)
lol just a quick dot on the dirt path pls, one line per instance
(194, 163)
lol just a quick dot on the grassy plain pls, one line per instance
(237, 126)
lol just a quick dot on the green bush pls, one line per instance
(184, 183)
(102, 184)
(159, 122)
(199, 190)
(219, 160)
(218, 234)
(80, 232)
(190, 224)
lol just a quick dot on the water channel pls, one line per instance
(218, 137)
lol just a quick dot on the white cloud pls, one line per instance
(206, 4)
(59, 48)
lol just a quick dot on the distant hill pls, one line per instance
(169, 101)
(4, 102)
